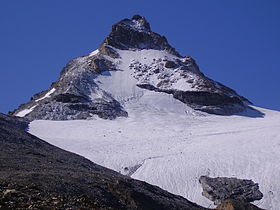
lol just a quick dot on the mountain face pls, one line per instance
(131, 61)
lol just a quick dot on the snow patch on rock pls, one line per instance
(25, 111)
(48, 94)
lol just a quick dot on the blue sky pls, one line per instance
(234, 42)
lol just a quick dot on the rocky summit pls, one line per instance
(132, 60)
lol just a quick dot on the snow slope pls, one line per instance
(159, 144)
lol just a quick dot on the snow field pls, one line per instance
(172, 150)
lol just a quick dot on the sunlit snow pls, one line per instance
(47, 95)
(25, 111)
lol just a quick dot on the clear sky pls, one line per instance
(234, 42)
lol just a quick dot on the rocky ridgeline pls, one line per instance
(221, 189)
(136, 33)
(77, 94)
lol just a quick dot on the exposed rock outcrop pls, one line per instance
(75, 95)
(221, 189)
(135, 34)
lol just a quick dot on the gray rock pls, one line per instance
(76, 94)
(170, 64)
(212, 103)
(136, 33)
(221, 189)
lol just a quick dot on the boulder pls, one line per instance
(170, 64)
(223, 188)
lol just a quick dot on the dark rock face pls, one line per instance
(14, 122)
(212, 103)
(170, 64)
(69, 98)
(136, 33)
(222, 188)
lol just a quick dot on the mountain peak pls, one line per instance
(137, 23)
(130, 63)
(136, 33)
